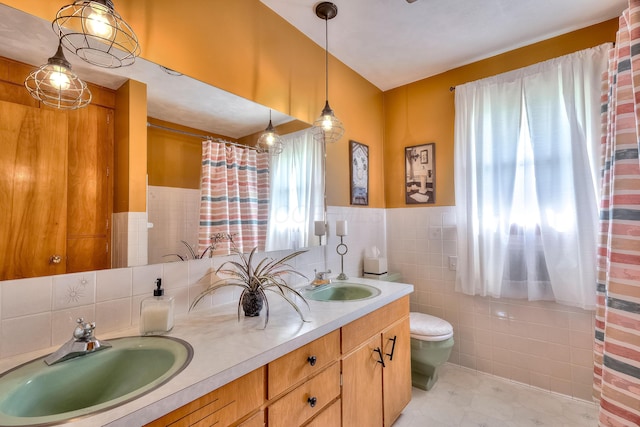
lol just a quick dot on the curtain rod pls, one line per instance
(197, 135)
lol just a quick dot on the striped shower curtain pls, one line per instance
(234, 198)
(617, 332)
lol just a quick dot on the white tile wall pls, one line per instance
(174, 213)
(73, 290)
(542, 344)
(138, 233)
(130, 237)
(366, 229)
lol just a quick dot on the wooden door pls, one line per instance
(90, 189)
(33, 191)
(396, 376)
(362, 386)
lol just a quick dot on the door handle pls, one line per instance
(55, 259)
(393, 347)
(381, 358)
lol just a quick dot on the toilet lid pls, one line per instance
(429, 328)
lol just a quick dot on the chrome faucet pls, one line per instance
(322, 278)
(83, 342)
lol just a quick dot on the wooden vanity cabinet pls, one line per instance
(376, 366)
(337, 380)
(237, 403)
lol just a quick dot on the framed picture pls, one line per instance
(420, 174)
(359, 171)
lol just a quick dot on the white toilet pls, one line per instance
(431, 344)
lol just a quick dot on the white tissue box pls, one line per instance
(375, 265)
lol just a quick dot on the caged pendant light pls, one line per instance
(55, 85)
(327, 127)
(94, 31)
(270, 141)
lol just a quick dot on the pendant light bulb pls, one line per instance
(327, 127)
(270, 141)
(94, 31)
(55, 85)
(58, 78)
(97, 20)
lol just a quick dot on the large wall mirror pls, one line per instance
(174, 102)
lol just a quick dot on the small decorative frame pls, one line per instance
(420, 174)
(359, 172)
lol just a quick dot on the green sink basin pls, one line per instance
(342, 291)
(35, 393)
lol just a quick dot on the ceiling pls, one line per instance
(394, 42)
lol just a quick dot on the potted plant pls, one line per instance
(256, 281)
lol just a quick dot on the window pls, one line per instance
(527, 180)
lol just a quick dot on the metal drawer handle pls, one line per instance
(312, 360)
(312, 401)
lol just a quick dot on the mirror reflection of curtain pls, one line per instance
(234, 189)
(297, 192)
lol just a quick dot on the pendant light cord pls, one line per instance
(326, 58)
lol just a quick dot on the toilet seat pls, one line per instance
(425, 327)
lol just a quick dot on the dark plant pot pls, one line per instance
(252, 304)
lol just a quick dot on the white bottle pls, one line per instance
(156, 312)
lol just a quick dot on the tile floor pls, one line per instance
(466, 398)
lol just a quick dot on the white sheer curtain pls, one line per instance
(527, 181)
(297, 192)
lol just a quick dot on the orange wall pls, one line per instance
(130, 183)
(175, 159)
(423, 111)
(243, 47)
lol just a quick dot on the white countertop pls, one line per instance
(225, 348)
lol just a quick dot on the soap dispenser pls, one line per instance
(156, 312)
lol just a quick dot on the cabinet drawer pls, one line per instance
(224, 405)
(358, 331)
(256, 420)
(330, 417)
(294, 408)
(294, 367)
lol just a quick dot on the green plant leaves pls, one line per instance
(267, 276)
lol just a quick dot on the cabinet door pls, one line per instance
(396, 376)
(362, 386)
(33, 191)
